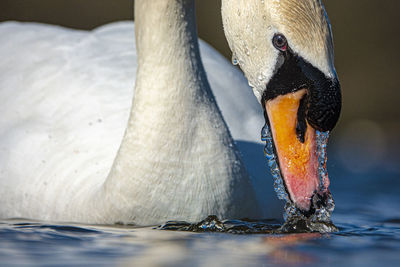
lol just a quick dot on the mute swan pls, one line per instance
(74, 148)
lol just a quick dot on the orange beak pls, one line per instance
(297, 155)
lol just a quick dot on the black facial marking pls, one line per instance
(289, 77)
(323, 100)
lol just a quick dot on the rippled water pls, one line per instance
(367, 214)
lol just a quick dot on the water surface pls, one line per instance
(367, 214)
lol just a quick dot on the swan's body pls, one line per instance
(66, 98)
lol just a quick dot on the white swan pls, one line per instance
(74, 148)
(66, 98)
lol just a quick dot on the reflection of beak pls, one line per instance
(296, 148)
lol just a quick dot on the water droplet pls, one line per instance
(234, 59)
(247, 51)
(264, 134)
(264, 17)
(269, 150)
(272, 163)
(322, 141)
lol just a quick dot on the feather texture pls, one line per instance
(66, 97)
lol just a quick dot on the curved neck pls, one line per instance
(171, 83)
(177, 158)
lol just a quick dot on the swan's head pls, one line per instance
(285, 49)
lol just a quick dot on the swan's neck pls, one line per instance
(171, 82)
(177, 159)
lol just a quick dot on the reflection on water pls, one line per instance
(35, 243)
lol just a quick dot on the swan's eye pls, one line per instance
(280, 42)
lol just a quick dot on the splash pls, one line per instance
(295, 220)
(322, 141)
(213, 224)
(322, 204)
(269, 152)
(319, 221)
(235, 61)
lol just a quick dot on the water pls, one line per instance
(295, 221)
(235, 61)
(367, 215)
(269, 152)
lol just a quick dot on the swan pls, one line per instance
(80, 143)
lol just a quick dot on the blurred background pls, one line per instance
(366, 34)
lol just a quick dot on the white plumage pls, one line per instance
(65, 101)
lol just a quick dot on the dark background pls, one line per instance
(366, 35)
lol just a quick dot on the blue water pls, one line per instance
(367, 214)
